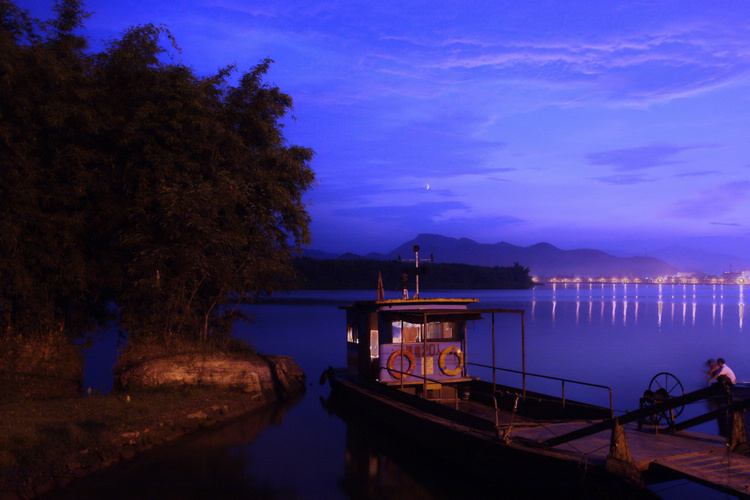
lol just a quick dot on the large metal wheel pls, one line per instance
(665, 385)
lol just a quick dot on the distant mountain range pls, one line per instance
(546, 260)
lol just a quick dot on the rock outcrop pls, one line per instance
(269, 377)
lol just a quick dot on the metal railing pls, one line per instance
(563, 381)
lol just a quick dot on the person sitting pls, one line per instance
(723, 375)
(711, 367)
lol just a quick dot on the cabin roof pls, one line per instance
(417, 317)
(423, 310)
(411, 304)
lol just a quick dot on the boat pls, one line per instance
(409, 366)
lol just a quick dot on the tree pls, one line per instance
(50, 288)
(128, 178)
(48, 277)
(212, 191)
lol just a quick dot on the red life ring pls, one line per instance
(392, 361)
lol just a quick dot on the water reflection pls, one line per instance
(215, 463)
(742, 304)
(658, 304)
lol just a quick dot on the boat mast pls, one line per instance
(415, 248)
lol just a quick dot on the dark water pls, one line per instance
(615, 335)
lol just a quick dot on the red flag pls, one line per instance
(381, 292)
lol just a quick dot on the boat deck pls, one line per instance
(702, 458)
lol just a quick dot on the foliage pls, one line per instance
(362, 274)
(48, 276)
(133, 180)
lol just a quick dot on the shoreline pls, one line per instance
(47, 443)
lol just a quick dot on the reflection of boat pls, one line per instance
(408, 366)
(381, 462)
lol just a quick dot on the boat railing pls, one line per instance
(562, 381)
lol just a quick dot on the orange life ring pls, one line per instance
(451, 372)
(392, 361)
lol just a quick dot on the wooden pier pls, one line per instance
(702, 458)
(718, 469)
(657, 453)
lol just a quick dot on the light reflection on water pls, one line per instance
(685, 299)
(614, 335)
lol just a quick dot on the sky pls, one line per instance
(621, 126)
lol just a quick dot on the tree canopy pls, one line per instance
(127, 178)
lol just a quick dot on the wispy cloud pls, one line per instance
(655, 62)
(701, 173)
(733, 224)
(640, 158)
(473, 221)
(624, 179)
(716, 201)
(418, 215)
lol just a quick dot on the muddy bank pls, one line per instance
(45, 443)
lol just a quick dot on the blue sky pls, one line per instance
(623, 126)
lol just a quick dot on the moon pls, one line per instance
(428, 186)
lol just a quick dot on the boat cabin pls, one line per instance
(408, 340)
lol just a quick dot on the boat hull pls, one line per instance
(473, 449)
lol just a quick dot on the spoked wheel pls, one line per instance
(665, 385)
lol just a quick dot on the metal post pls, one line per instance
(424, 349)
(402, 355)
(494, 388)
(416, 259)
(523, 353)
(415, 248)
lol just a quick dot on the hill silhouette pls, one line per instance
(543, 259)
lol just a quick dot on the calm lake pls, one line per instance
(614, 335)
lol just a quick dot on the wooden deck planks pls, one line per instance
(646, 447)
(699, 457)
(717, 468)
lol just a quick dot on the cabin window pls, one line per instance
(352, 334)
(374, 348)
(412, 332)
(434, 330)
(448, 331)
(441, 330)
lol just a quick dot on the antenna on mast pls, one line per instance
(416, 261)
